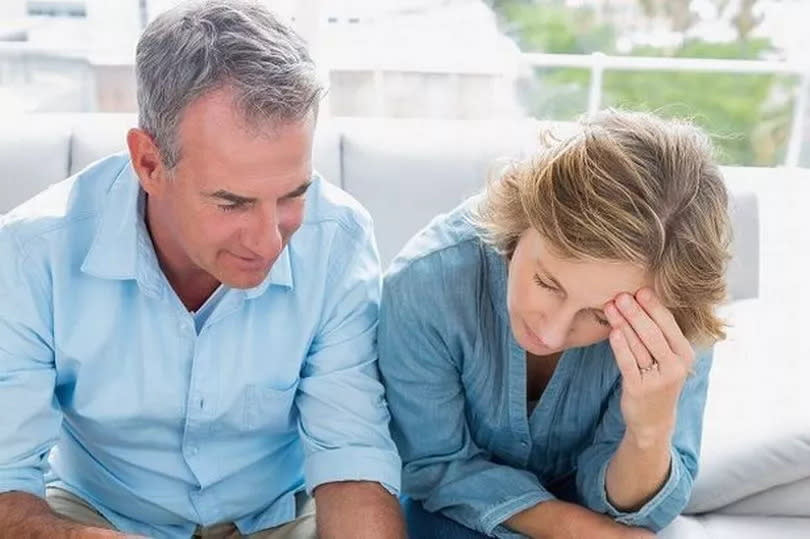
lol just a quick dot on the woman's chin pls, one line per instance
(531, 343)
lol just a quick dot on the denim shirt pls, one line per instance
(456, 384)
(162, 426)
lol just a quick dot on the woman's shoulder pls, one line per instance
(439, 285)
(449, 244)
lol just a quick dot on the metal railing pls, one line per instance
(598, 63)
(18, 61)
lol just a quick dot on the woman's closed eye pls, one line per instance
(601, 320)
(542, 283)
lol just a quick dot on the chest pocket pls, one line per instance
(269, 409)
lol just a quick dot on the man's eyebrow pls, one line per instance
(300, 190)
(231, 197)
(238, 199)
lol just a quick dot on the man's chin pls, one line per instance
(244, 280)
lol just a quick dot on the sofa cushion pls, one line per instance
(103, 135)
(405, 172)
(755, 430)
(33, 155)
(743, 268)
(790, 500)
(736, 527)
(684, 527)
(742, 527)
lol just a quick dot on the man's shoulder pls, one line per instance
(74, 200)
(329, 204)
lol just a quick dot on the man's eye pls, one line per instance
(229, 207)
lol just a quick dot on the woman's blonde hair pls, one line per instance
(628, 187)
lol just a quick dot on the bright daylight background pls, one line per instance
(737, 67)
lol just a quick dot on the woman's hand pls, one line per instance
(654, 358)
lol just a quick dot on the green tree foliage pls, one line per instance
(747, 115)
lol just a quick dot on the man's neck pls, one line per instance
(192, 289)
(192, 285)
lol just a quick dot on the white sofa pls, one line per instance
(755, 467)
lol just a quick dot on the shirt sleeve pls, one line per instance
(443, 466)
(30, 413)
(343, 415)
(673, 496)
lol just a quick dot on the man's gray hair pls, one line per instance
(201, 46)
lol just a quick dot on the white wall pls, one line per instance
(12, 9)
(114, 26)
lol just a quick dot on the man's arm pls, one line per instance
(351, 461)
(27, 380)
(357, 509)
(25, 515)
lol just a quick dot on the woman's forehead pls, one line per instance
(591, 281)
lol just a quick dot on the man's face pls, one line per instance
(236, 194)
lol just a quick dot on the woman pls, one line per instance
(546, 346)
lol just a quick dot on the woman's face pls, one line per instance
(556, 303)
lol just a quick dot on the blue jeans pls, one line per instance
(423, 524)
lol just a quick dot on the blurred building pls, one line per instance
(419, 58)
(402, 58)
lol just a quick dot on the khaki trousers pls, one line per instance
(70, 506)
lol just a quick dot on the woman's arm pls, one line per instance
(556, 519)
(643, 461)
(637, 471)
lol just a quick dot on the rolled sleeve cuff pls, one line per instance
(19, 480)
(354, 464)
(492, 521)
(660, 510)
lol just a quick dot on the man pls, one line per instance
(187, 332)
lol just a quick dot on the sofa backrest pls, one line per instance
(404, 172)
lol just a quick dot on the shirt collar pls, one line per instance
(280, 275)
(114, 251)
(497, 274)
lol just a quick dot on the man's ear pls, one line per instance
(146, 161)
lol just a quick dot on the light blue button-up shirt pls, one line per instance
(456, 384)
(161, 426)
